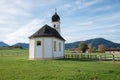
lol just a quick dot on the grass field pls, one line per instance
(14, 65)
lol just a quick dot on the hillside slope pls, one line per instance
(23, 45)
(95, 42)
(3, 44)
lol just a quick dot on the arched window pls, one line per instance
(54, 45)
(59, 46)
(38, 43)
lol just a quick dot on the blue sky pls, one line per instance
(80, 19)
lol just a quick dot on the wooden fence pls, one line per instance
(104, 57)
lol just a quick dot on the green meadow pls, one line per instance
(14, 65)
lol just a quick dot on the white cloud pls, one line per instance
(86, 4)
(110, 31)
(108, 17)
(22, 34)
(11, 7)
(78, 4)
(78, 26)
(5, 31)
(102, 8)
(8, 22)
(89, 23)
(11, 12)
(79, 37)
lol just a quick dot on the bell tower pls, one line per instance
(56, 21)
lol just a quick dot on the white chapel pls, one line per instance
(47, 42)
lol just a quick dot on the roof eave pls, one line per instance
(45, 36)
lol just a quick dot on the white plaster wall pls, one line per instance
(58, 53)
(62, 49)
(31, 49)
(47, 47)
(57, 26)
(38, 53)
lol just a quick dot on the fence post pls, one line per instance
(105, 57)
(99, 57)
(113, 57)
(88, 56)
(96, 57)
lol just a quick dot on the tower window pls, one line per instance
(54, 25)
(38, 43)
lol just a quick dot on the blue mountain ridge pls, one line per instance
(95, 42)
(3, 44)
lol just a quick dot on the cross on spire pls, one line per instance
(55, 10)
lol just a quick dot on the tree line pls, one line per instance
(83, 47)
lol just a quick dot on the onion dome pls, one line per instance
(55, 17)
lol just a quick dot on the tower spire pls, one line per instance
(55, 10)
(56, 21)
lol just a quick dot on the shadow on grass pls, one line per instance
(73, 59)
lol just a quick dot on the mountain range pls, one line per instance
(2, 44)
(23, 45)
(95, 42)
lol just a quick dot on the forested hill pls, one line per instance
(95, 42)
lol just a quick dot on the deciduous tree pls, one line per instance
(101, 48)
(83, 47)
(90, 48)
